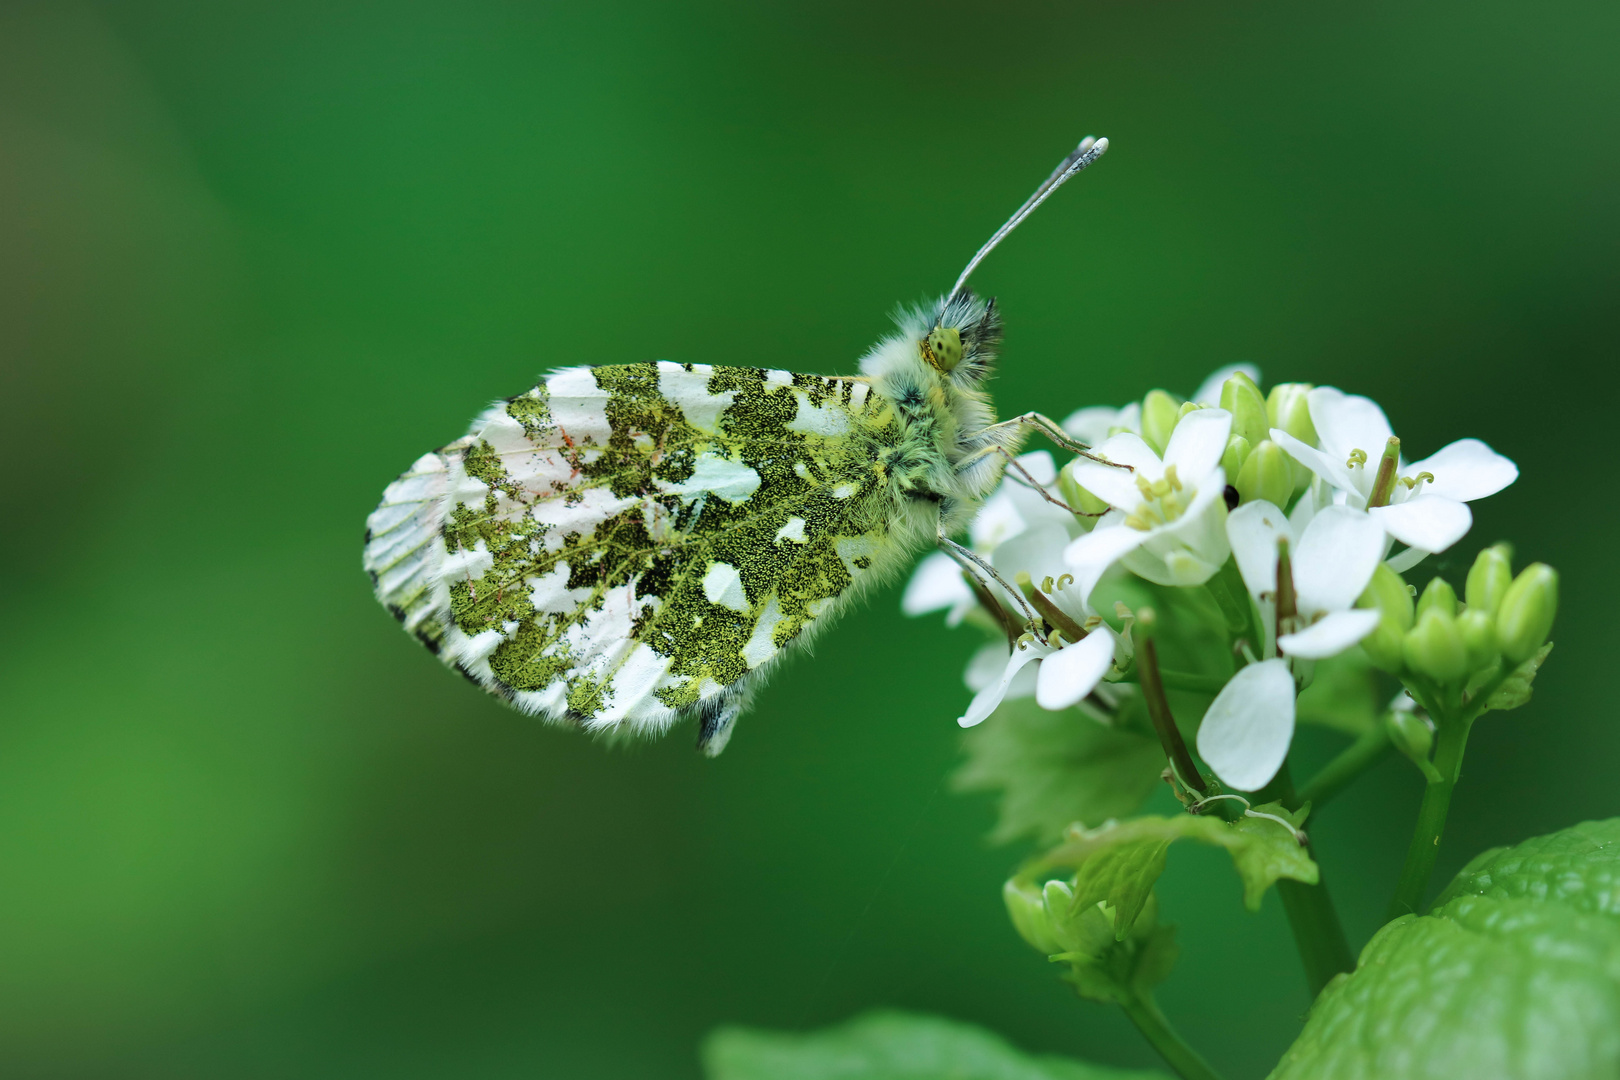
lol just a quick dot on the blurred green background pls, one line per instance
(256, 257)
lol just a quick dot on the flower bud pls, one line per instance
(1288, 407)
(1479, 638)
(1079, 498)
(1237, 452)
(1434, 647)
(1026, 907)
(1386, 593)
(1267, 474)
(1488, 579)
(1241, 398)
(1526, 613)
(1160, 412)
(1409, 733)
(1438, 593)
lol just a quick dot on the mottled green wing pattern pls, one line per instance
(622, 546)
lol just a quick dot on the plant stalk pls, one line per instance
(1450, 742)
(1324, 951)
(1158, 706)
(1187, 1062)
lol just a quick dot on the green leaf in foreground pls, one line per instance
(1054, 769)
(1514, 974)
(1118, 863)
(889, 1046)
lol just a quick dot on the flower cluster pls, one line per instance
(1271, 530)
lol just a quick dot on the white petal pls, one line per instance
(1248, 727)
(985, 701)
(1330, 636)
(1197, 443)
(936, 584)
(1038, 552)
(1405, 560)
(1253, 529)
(1307, 506)
(998, 520)
(1346, 422)
(1074, 670)
(1090, 556)
(1113, 485)
(1466, 470)
(1336, 558)
(1332, 470)
(1210, 392)
(1031, 505)
(1430, 522)
(1095, 423)
(985, 667)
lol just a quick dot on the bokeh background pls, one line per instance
(255, 257)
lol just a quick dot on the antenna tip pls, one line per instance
(1100, 146)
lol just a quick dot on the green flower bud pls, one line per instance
(1526, 613)
(1288, 407)
(1438, 593)
(1434, 647)
(1241, 398)
(1160, 412)
(1267, 473)
(1079, 498)
(1479, 638)
(1409, 733)
(1387, 594)
(1026, 907)
(1237, 452)
(1488, 579)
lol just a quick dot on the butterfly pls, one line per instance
(628, 546)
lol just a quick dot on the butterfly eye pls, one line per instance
(944, 347)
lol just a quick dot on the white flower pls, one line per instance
(1331, 561)
(1065, 675)
(1168, 520)
(1427, 507)
(937, 585)
(1247, 728)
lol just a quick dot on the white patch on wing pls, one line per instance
(845, 490)
(689, 390)
(633, 683)
(775, 380)
(761, 646)
(850, 548)
(578, 407)
(550, 592)
(793, 530)
(595, 505)
(723, 586)
(730, 480)
(471, 563)
(829, 419)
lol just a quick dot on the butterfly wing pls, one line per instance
(625, 546)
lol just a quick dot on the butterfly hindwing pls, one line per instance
(623, 546)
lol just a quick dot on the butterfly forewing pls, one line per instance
(625, 545)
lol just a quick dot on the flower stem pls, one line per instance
(1355, 759)
(1158, 706)
(1450, 742)
(1318, 935)
(1186, 1061)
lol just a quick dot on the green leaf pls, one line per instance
(890, 1046)
(1054, 769)
(1343, 695)
(1118, 862)
(1515, 689)
(1514, 974)
(1578, 866)
(1485, 987)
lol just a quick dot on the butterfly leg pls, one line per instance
(1054, 431)
(1023, 477)
(980, 569)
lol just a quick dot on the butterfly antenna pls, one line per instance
(1089, 150)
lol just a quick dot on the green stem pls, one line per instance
(1355, 759)
(1186, 1061)
(1318, 935)
(1450, 743)
(1186, 680)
